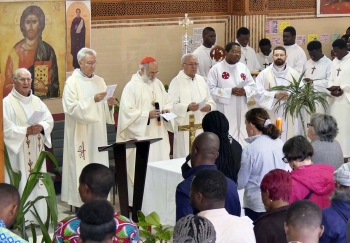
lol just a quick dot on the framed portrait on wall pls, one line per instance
(31, 31)
(331, 8)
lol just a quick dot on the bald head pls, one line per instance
(205, 149)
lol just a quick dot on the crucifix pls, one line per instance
(338, 71)
(246, 60)
(313, 69)
(185, 23)
(192, 128)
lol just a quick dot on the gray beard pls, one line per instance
(341, 195)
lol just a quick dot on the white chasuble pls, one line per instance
(135, 105)
(271, 77)
(221, 79)
(340, 106)
(296, 57)
(84, 131)
(24, 150)
(184, 90)
(205, 62)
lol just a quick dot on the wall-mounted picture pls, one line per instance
(331, 8)
(34, 37)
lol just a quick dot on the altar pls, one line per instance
(162, 179)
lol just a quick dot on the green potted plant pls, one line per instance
(27, 206)
(301, 96)
(162, 234)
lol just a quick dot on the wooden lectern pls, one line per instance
(142, 151)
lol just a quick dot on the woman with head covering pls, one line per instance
(230, 151)
(261, 155)
(97, 222)
(194, 229)
(322, 131)
(310, 181)
(32, 52)
(275, 189)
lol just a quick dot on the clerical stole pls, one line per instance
(30, 157)
(80, 136)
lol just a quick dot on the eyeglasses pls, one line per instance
(285, 160)
(309, 125)
(24, 79)
(279, 55)
(91, 63)
(194, 64)
(236, 52)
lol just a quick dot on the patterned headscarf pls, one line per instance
(33, 9)
(194, 229)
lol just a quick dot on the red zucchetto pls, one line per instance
(147, 60)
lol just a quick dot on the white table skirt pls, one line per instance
(160, 187)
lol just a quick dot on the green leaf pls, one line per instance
(46, 236)
(15, 177)
(32, 228)
(153, 219)
(140, 216)
(166, 235)
(144, 233)
(143, 224)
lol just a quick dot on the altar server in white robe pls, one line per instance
(277, 74)
(296, 55)
(138, 116)
(248, 56)
(86, 116)
(25, 142)
(265, 55)
(187, 90)
(339, 84)
(317, 70)
(205, 62)
(231, 85)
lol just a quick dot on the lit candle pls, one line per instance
(279, 123)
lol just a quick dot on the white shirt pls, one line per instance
(296, 57)
(205, 61)
(263, 60)
(230, 228)
(248, 58)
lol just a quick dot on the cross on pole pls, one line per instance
(192, 128)
(338, 71)
(185, 23)
(313, 69)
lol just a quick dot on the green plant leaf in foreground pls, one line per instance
(153, 219)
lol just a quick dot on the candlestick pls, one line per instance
(279, 123)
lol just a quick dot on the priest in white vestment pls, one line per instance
(25, 142)
(339, 85)
(317, 70)
(265, 55)
(248, 56)
(138, 116)
(188, 90)
(279, 73)
(296, 55)
(205, 62)
(86, 115)
(231, 85)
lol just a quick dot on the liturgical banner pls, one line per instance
(31, 32)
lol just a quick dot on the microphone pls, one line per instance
(156, 105)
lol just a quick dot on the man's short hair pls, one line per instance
(228, 47)
(314, 45)
(291, 30)
(98, 178)
(184, 57)
(297, 149)
(83, 51)
(304, 214)
(211, 183)
(8, 194)
(243, 31)
(206, 30)
(17, 71)
(339, 43)
(279, 48)
(264, 42)
(97, 221)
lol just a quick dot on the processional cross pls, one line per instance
(192, 128)
(185, 23)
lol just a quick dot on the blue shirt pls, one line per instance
(6, 236)
(183, 205)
